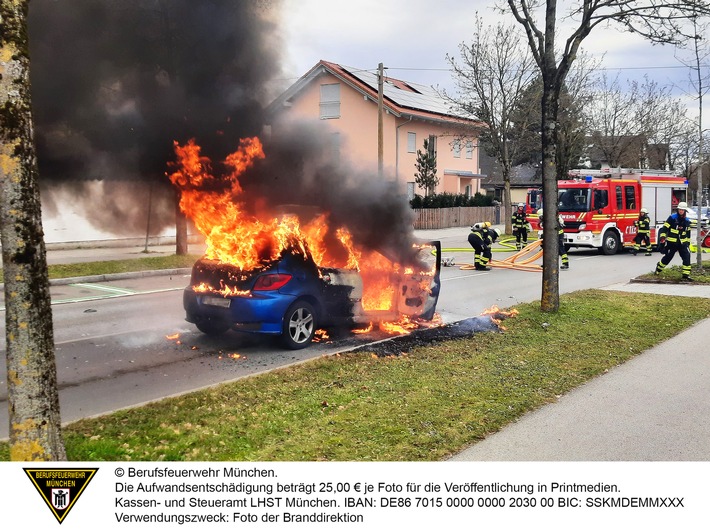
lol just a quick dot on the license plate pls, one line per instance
(216, 301)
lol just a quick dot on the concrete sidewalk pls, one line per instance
(655, 407)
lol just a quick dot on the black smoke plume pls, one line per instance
(115, 82)
(302, 166)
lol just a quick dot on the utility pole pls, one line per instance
(699, 234)
(380, 118)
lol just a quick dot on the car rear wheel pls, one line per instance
(212, 327)
(299, 325)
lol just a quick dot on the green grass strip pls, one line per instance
(81, 269)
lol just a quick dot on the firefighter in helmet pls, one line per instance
(481, 237)
(520, 226)
(643, 232)
(676, 237)
(560, 239)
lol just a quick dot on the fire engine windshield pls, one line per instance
(573, 199)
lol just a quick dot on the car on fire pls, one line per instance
(292, 297)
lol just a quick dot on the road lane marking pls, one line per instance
(104, 288)
(106, 296)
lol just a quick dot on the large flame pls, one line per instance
(497, 315)
(236, 236)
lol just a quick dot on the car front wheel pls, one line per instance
(299, 325)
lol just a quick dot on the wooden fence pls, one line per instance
(454, 217)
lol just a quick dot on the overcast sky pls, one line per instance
(412, 38)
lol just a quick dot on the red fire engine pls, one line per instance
(599, 207)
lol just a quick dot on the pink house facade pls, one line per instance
(345, 100)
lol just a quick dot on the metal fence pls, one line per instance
(454, 217)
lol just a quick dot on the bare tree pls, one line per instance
(633, 126)
(575, 98)
(491, 78)
(672, 132)
(657, 20)
(700, 83)
(35, 425)
(612, 122)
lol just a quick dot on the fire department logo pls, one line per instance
(60, 488)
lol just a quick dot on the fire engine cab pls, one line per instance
(599, 207)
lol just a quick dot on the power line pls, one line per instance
(597, 68)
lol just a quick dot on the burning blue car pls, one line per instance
(292, 296)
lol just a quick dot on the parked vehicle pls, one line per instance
(692, 214)
(599, 207)
(293, 297)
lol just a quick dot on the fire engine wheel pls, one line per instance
(706, 241)
(299, 325)
(610, 243)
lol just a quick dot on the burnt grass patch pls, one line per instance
(424, 337)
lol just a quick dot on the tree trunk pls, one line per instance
(508, 206)
(35, 424)
(181, 244)
(550, 299)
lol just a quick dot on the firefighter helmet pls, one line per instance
(487, 224)
(477, 226)
(539, 212)
(644, 210)
(521, 205)
(682, 206)
(494, 235)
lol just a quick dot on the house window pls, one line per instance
(330, 101)
(469, 149)
(456, 148)
(411, 190)
(411, 142)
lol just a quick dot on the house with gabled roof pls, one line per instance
(522, 177)
(345, 100)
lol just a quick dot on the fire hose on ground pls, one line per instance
(521, 260)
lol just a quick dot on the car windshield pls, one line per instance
(573, 199)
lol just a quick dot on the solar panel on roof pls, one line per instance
(426, 99)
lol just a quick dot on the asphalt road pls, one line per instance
(116, 343)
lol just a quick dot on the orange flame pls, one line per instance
(497, 315)
(234, 235)
(497, 312)
(364, 330)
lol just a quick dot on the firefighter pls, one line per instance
(560, 239)
(480, 239)
(676, 237)
(492, 234)
(643, 232)
(520, 227)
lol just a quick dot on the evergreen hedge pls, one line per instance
(447, 199)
